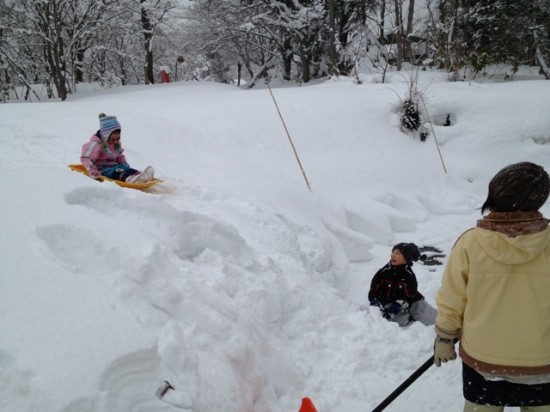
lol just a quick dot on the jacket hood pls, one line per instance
(512, 250)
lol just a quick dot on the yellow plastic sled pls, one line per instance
(135, 185)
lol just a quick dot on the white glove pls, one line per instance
(444, 345)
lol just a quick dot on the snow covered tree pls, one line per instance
(475, 34)
(17, 66)
(293, 39)
(507, 31)
(63, 42)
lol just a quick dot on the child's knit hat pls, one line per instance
(519, 187)
(410, 252)
(107, 125)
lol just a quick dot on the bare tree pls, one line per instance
(407, 41)
(399, 32)
(332, 69)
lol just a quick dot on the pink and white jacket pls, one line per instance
(98, 155)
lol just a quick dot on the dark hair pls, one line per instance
(520, 187)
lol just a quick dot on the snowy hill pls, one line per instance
(232, 280)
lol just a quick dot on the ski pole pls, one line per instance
(415, 375)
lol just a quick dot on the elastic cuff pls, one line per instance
(445, 334)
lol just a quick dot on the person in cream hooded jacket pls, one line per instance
(495, 297)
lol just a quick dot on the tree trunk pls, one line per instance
(543, 66)
(78, 73)
(51, 26)
(382, 18)
(407, 51)
(305, 58)
(306, 72)
(239, 69)
(148, 43)
(399, 33)
(540, 57)
(287, 54)
(332, 69)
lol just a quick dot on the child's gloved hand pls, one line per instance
(396, 307)
(375, 302)
(94, 174)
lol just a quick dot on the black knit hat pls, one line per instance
(409, 251)
(520, 187)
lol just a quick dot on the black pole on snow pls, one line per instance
(415, 375)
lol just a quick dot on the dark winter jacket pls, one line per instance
(392, 284)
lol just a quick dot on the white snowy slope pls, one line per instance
(231, 279)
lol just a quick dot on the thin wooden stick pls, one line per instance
(289, 138)
(435, 137)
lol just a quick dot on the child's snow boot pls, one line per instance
(145, 176)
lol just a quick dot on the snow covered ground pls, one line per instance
(232, 280)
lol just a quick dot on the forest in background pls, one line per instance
(59, 44)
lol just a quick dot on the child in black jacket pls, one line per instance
(394, 289)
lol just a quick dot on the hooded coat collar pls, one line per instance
(513, 224)
(519, 237)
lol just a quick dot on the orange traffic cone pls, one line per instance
(307, 406)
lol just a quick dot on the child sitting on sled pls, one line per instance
(103, 155)
(394, 288)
